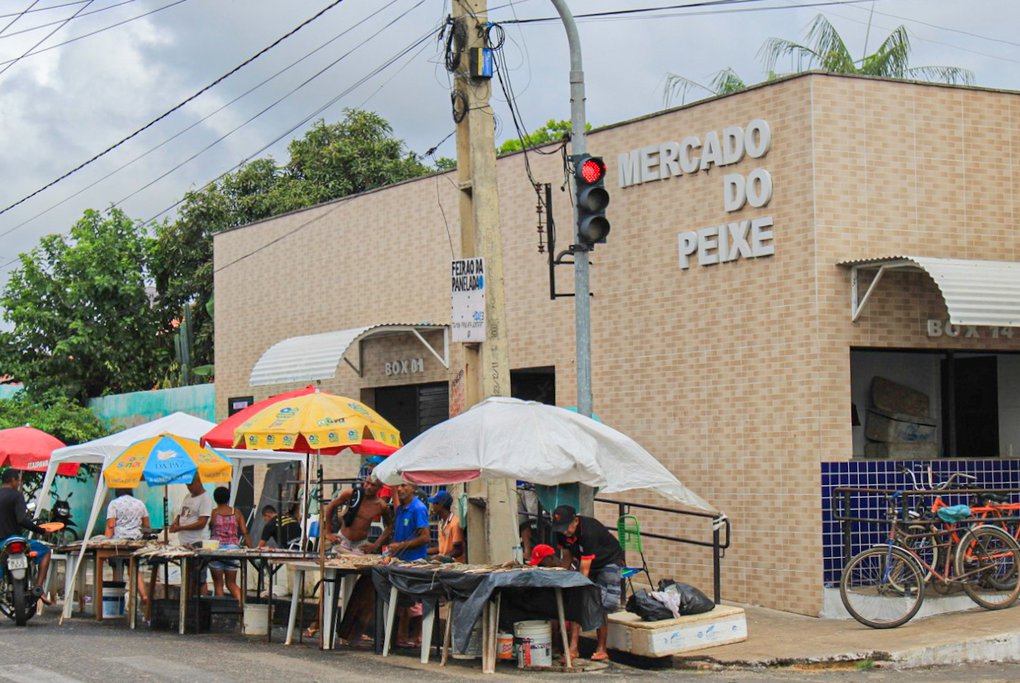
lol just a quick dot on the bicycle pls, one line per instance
(923, 521)
(884, 586)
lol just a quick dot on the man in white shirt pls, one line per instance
(126, 517)
(192, 524)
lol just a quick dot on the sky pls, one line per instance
(78, 77)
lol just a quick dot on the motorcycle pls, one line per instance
(61, 514)
(17, 599)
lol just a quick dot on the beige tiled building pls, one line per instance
(733, 359)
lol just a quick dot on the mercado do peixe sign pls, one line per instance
(467, 294)
(732, 239)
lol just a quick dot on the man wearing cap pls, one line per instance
(544, 555)
(588, 543)
(451, 536)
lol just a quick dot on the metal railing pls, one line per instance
(720, 535)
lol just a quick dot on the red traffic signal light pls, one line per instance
(591, 170)
(591, 200)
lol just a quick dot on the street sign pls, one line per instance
(467, 295)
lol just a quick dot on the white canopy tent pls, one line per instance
(506, 438)
(104, 450)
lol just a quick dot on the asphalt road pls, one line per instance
(81, 650)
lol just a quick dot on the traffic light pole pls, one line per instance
(582, 304)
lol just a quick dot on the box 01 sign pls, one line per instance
(467, 295)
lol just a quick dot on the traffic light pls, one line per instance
(592, 200)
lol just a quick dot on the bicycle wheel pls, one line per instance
(882, 587)
(986, 561)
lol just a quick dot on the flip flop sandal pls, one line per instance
(600, 657)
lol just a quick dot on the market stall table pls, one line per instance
(539, 592)
(191, 561)
(342, 569)
(99, 551)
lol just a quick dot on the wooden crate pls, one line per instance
(723, 625)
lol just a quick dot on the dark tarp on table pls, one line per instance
(527, 594)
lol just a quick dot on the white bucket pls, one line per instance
(504, 646)
(256, 619)
(113, 601)
(534, 643)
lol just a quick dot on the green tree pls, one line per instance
(82, 323)
(825, 49)
(552, 131)
(723, 82)
(330, 161)
(53, 414)
(351, 156)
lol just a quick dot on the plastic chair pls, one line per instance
(628, 532)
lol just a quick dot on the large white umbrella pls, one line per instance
(506, 438)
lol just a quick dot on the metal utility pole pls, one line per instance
(582, 304)
(492, 530)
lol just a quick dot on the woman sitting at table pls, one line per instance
(227, 526)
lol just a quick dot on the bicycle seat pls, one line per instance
(995, 497)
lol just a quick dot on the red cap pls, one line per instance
(540, 552)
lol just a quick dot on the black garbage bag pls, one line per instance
(692, 601)
(647, 607)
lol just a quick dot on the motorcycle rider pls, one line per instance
(13, 518)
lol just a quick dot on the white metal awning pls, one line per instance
(316, 356)
(976, 292)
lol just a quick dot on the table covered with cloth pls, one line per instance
(532, 589)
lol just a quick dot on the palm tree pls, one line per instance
(826, 50)
(723, 82)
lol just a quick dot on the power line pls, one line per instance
(34, 52)
(45, 9)
(630, 13)
(170, 111)
(79, 16)
(417, 43)
(173, 137)
(273, 104)
(18, 16)
(43, 40)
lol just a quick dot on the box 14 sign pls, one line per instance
(467, 287)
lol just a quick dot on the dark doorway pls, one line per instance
(534, 384)
(972, 388)
(413, 408)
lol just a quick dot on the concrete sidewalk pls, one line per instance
(779, 638)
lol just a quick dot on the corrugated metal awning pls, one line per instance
(316, 356)
(976, 292)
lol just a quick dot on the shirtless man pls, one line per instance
(360, 508)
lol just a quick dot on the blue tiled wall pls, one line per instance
(886, 474)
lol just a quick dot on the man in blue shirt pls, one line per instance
(410, 539)
(410, 526)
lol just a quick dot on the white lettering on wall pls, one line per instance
(404, 366)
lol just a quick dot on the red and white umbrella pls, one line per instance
(29, 449)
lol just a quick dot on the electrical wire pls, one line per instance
(307, 81)
(200, 121)
(623, 14)
(14, 61)
(80, 16)
(46, 9)
(18, 16)
(410, 48)
(162, 116)
(35, 52)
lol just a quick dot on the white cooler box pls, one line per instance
(722, 626)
